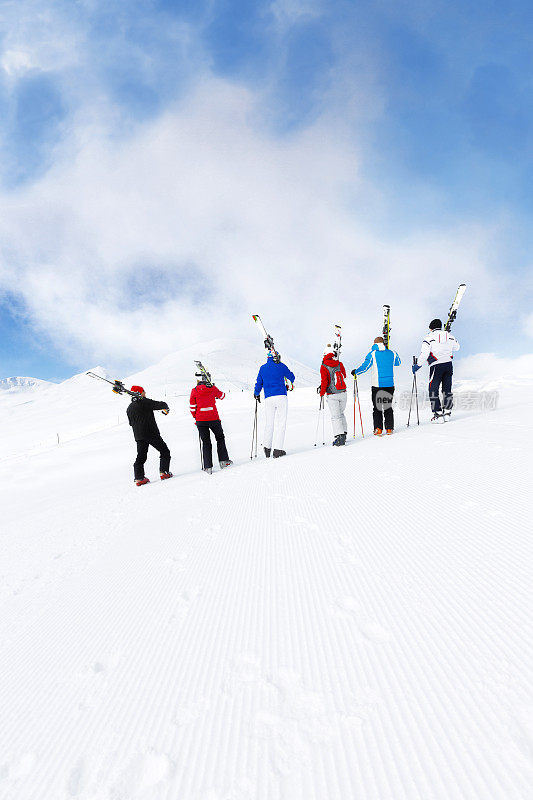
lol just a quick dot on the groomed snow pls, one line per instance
(341, 624)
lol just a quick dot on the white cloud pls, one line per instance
(489, 367)
(15, 62)
(287, 12)
(201, 193)
(38, 36)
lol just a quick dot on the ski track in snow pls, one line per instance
(339, 624)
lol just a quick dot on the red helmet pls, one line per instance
(137, 389)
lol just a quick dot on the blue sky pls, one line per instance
(153, 153)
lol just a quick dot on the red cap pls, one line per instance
(138, 389)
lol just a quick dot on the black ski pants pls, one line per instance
(142, 452)
(382, 406)
(440, 376)
(204, 429)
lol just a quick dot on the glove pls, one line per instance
(415, 368)
(318, 389)
(353, 372)
(257, 397)
(165, 411)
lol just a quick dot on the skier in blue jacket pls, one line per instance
(271, 379)
(382, 361)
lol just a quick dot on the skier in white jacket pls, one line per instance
(437, 350)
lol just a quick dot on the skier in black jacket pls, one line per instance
(141, 418)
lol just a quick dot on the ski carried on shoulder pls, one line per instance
(118, 386)
(337, 344)
(454, 306)
(268, 340)
(386, 326)
(202, 370)
(270, 346)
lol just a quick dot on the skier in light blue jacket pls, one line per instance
(382, 362)
(272, 379)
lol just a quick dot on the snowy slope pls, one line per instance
(233, 364)
(43, 414)
(338, 624)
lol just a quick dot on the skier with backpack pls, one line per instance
(271, 378)
(382, 360)
(437, 350)
(203, 407)
(332, 385)
(140, 414)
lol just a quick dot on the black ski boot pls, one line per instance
(227, 463)
(267, 451)
(209, 470)
(278, 453)
(343, 438)
(338, 440)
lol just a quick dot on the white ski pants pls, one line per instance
(337, 404)
(276, 421)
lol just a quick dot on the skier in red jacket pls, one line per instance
(204, 410)
(332, 375)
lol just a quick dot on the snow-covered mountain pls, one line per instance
(233, 364)
(19, 384)
(45, 413)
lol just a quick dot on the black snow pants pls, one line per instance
(440, 375)
(204, 428)
(382, 406)
(142, 452)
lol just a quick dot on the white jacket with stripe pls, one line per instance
(438, 348)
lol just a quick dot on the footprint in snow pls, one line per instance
(15, 770)
(76, 779)
(245, 671)
(288, 735)
(143, 775)
(177, 562)
(189, 712)
(348, 608)
(94, 679)
(182, 605)
(374, 632)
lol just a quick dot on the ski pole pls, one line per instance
(318, 420)
(201, 449)
(256, 428)
(254, 434)
(411, 400)
(356, 387)
(323, 422)
(414, 391)
(416, 397)
(354, 406)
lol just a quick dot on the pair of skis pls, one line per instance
(204, 373)
(118, 386)
(269, 341)
(270, 346)
(452, 314)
